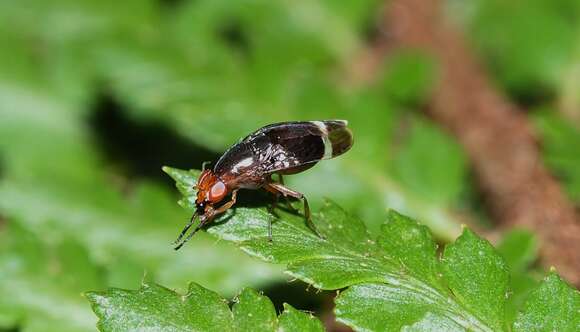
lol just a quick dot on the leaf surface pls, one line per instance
(156, 308)
(395, 281)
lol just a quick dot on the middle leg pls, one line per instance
(286, 198)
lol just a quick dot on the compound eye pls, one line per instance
(217, 192)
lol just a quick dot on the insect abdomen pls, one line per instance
(336, 137)
(339, 136)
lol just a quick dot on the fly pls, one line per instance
(281, 148)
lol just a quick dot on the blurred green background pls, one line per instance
(96, 96)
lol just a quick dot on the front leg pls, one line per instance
(227, 205)
(204, 219)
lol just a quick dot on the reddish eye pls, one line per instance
(217, 192)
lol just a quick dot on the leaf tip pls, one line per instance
(91, 295)
(552, 276)
(96, 299)
(468, 233)
(146, 279)
(248, 292)
(171, 171)
(88, 295)
(193, 287)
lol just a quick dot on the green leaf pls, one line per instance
(553, 306)
(478, 276)
(430, 163)
(519, 248)
(396, 281)
(408, 304)
(41, 282)
(155, 308)
(254, 312)
(391, 307)
(412, 245)
(397, 277)
(527, 66)
(292, 320)
(409, 77)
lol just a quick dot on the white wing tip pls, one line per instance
(345, 122)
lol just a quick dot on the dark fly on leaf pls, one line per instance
(281, 148)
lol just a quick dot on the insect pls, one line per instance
(281, 148)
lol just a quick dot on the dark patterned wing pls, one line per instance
(287, 147)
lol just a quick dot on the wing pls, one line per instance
(286, 147)
(297, 144)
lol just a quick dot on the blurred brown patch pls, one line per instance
(496, 135)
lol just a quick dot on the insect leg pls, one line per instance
(276, 194)
(204, 165)
(227, 205)
(292, 193)
(271, 209)
(308, 219)
(269, 230)
(286, 199)
(274, 202)
(220, 210)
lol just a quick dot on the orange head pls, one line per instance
(210, 190)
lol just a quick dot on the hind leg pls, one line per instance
(278, 188)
